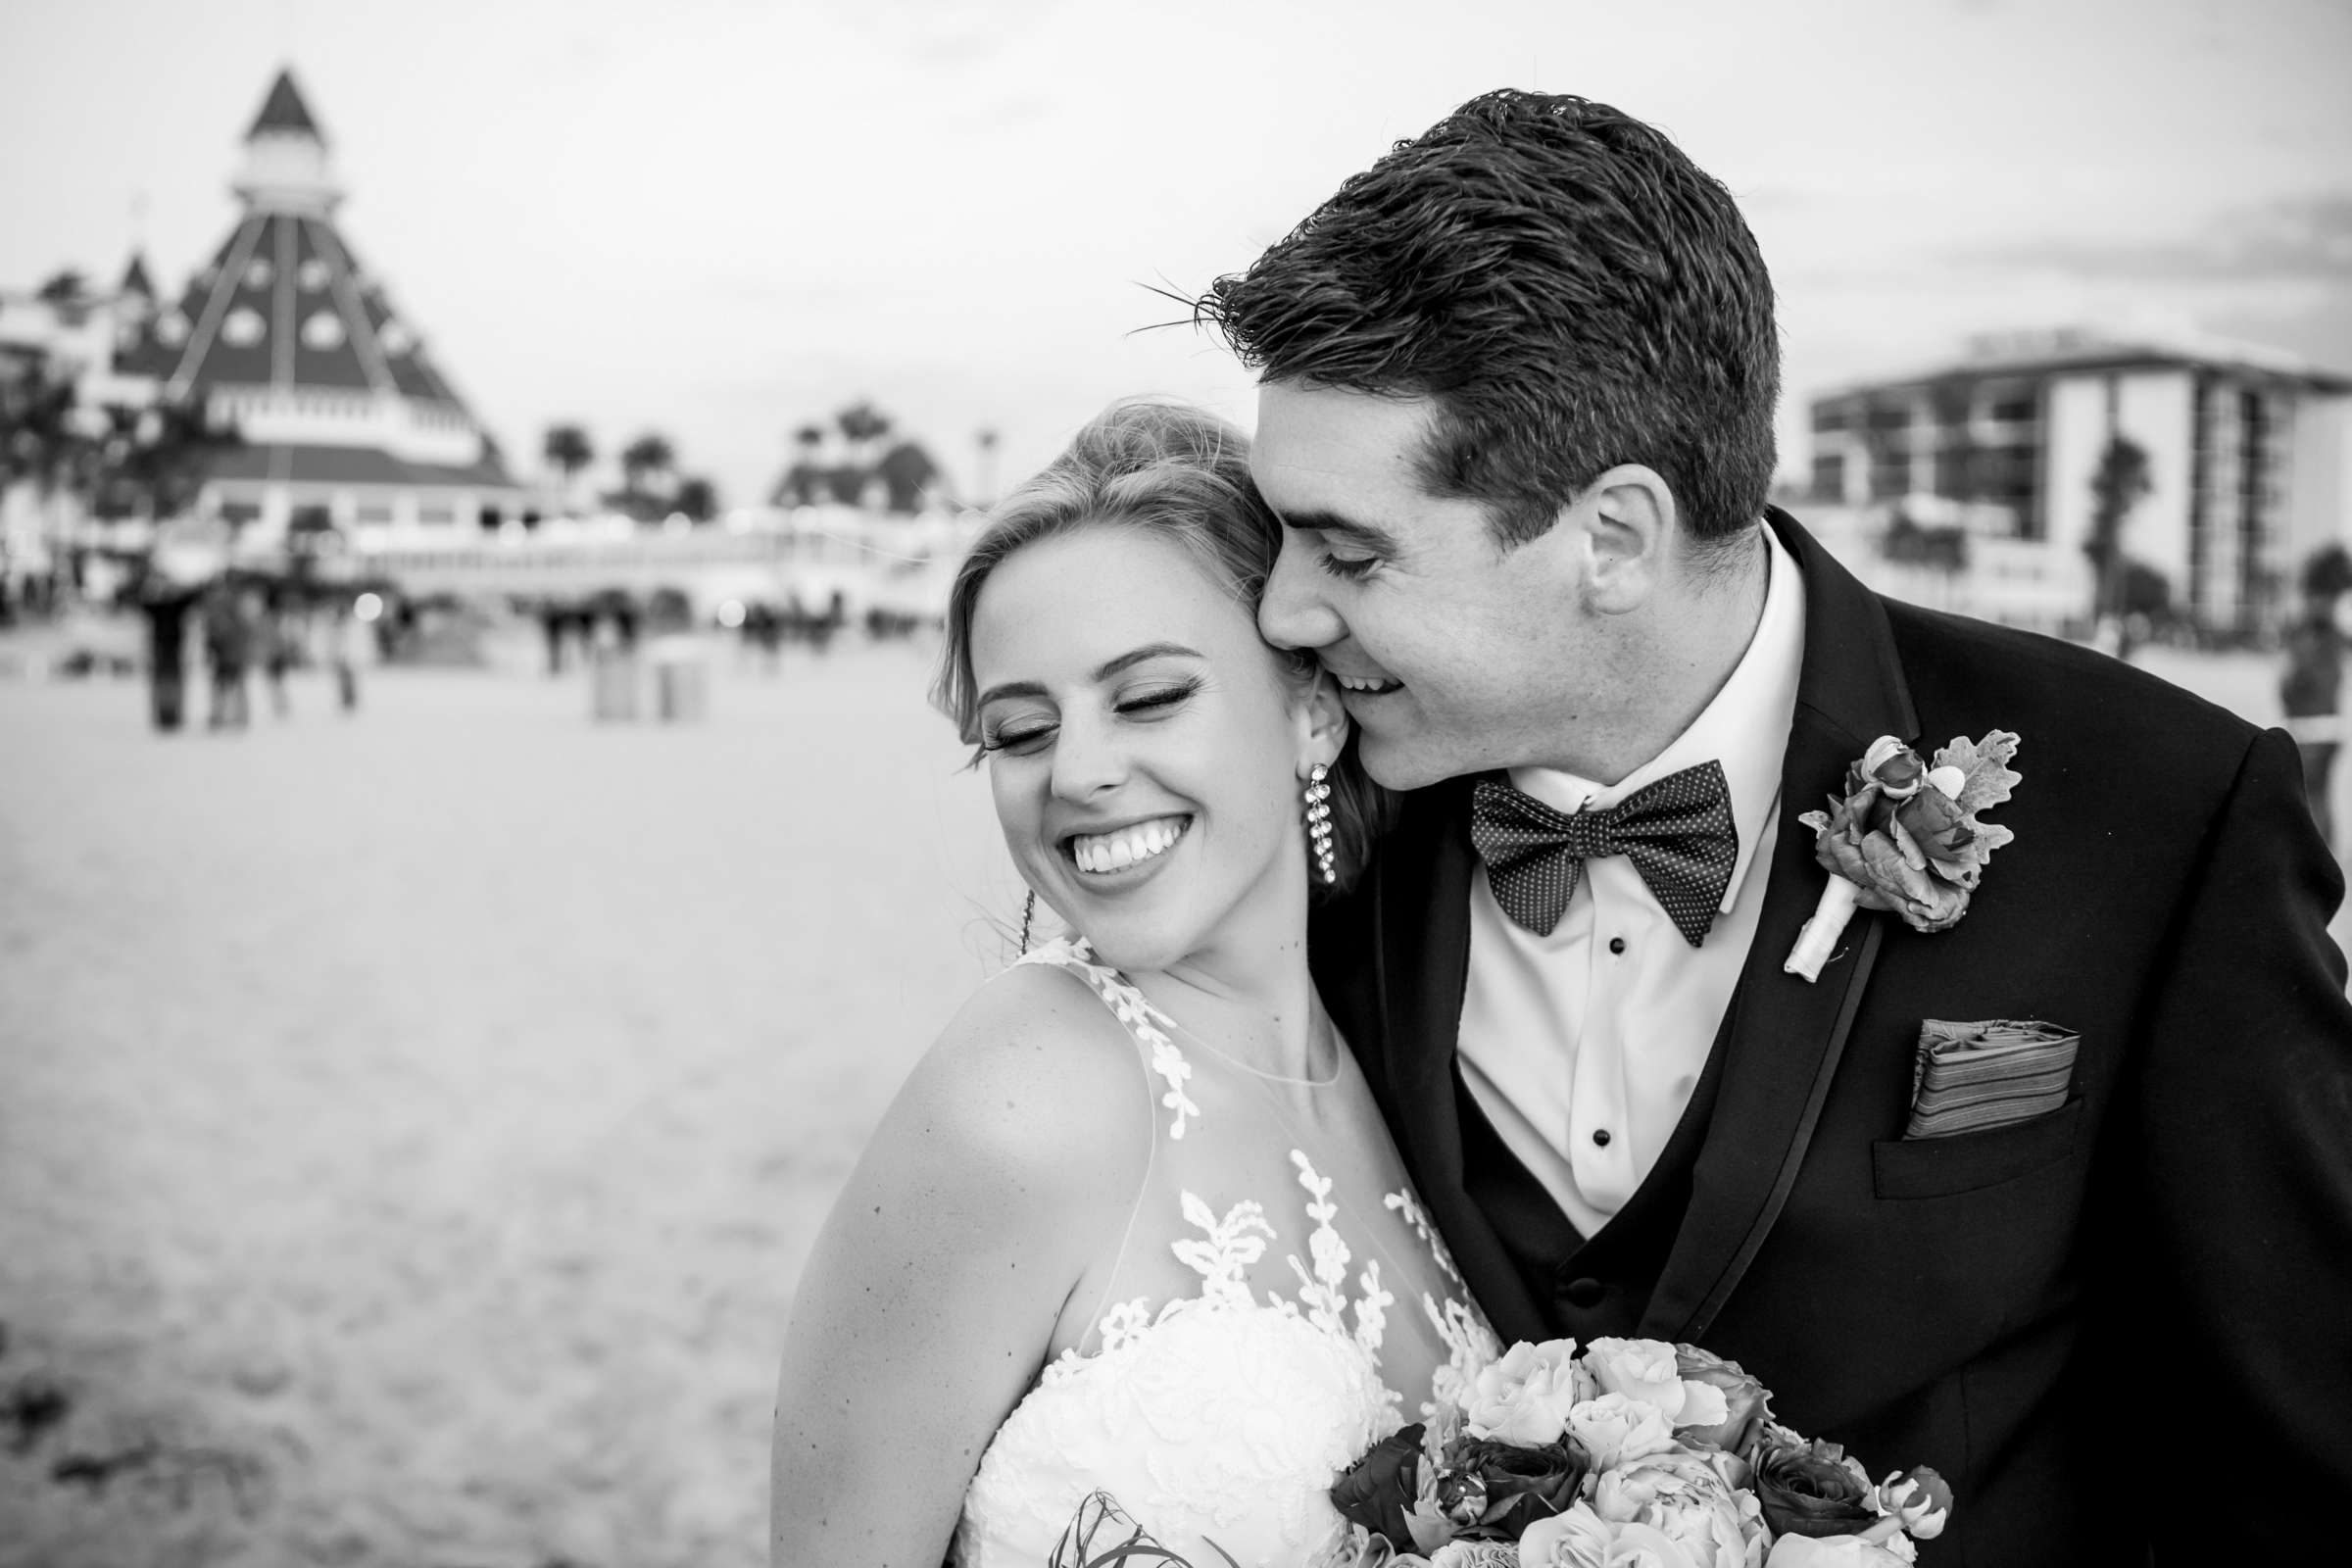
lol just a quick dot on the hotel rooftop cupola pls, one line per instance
(286, 168)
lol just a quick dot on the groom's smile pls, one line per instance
(1452, 653)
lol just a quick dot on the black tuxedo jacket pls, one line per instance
(2122, 1327)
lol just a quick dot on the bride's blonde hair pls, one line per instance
(1182, 473)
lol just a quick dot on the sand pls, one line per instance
(412, 1125)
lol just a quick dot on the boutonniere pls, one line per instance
(1905, 836)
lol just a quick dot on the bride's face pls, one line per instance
(1143, 742)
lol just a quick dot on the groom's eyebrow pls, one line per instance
(1346, 530)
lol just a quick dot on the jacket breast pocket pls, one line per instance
(1968, 1162)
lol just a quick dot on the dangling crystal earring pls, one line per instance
(1318, 822)
(1028, 913)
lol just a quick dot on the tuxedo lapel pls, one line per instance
(1787, 1035)
(1421, 920)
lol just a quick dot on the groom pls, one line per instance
(1516, 414)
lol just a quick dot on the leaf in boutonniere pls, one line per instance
(1987, 777)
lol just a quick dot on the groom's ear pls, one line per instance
(1623, 531)
(1322, 721)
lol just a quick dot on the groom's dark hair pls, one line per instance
(1567, 288)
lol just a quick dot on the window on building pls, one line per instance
(1829, 475)
(2013, 403)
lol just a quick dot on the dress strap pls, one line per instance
(1146, 1023)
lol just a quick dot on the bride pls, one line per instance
(1133, 1225)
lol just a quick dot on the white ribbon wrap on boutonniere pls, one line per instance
(1905, 836)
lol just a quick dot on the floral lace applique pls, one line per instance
(1470, 1343)
(1324, 1292)
(1132, 1008)
(1234, 1243)
(1408, 1208)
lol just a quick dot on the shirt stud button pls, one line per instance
(1616, 944)
(1601, 1137)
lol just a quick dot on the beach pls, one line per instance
(415, 1122)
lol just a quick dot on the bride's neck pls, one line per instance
(1249, 993)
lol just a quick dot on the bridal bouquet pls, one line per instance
(1635, 1454)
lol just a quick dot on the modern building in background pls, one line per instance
(344, 416)
(2250, 463)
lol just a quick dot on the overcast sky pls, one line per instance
(719, 218)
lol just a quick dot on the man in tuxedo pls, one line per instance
(1516, 414)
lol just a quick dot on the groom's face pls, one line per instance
(1452, 655)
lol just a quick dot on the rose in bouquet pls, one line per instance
(1635, 1454)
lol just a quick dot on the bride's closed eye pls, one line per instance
(1155, 701)
(1022, 736)
(1018, 738)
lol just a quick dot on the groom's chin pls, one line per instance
(1398, 764)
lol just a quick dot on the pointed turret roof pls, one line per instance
(136, 280)
(284, 111)
(285, 306)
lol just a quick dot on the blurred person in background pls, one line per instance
(165, 605)
(347, 640)
(228, 619)
(276, 633)
(2309, 688)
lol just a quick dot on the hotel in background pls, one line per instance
(2249, 468)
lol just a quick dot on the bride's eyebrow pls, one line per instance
(1103, 672)
(1138, 656)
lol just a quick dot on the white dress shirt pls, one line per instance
(1583, 1047)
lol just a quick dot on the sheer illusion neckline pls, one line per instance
(1084, 952)
(1339, 1063)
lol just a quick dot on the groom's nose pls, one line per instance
(1292, 613)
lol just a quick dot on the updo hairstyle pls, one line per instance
(1180, 473)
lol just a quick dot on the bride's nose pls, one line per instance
(1089, 758)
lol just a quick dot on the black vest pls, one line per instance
(1589, 1287)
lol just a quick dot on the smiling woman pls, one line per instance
(1075, 1288)
(1182, 476)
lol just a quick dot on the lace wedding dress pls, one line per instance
(1279, 1305)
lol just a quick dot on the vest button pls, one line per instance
(1585, 1293)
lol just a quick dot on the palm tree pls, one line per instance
(697, 498)
(568, 450)
(908, 475)
(67, 291)
(645, 457)
(863, 427)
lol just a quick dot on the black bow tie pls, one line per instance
(1678, 832)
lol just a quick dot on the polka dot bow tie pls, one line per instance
(1678, 832)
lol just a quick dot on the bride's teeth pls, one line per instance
(1115, 852)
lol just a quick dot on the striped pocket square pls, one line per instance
(1973, 1076)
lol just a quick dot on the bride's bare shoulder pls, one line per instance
(1033, 1075)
